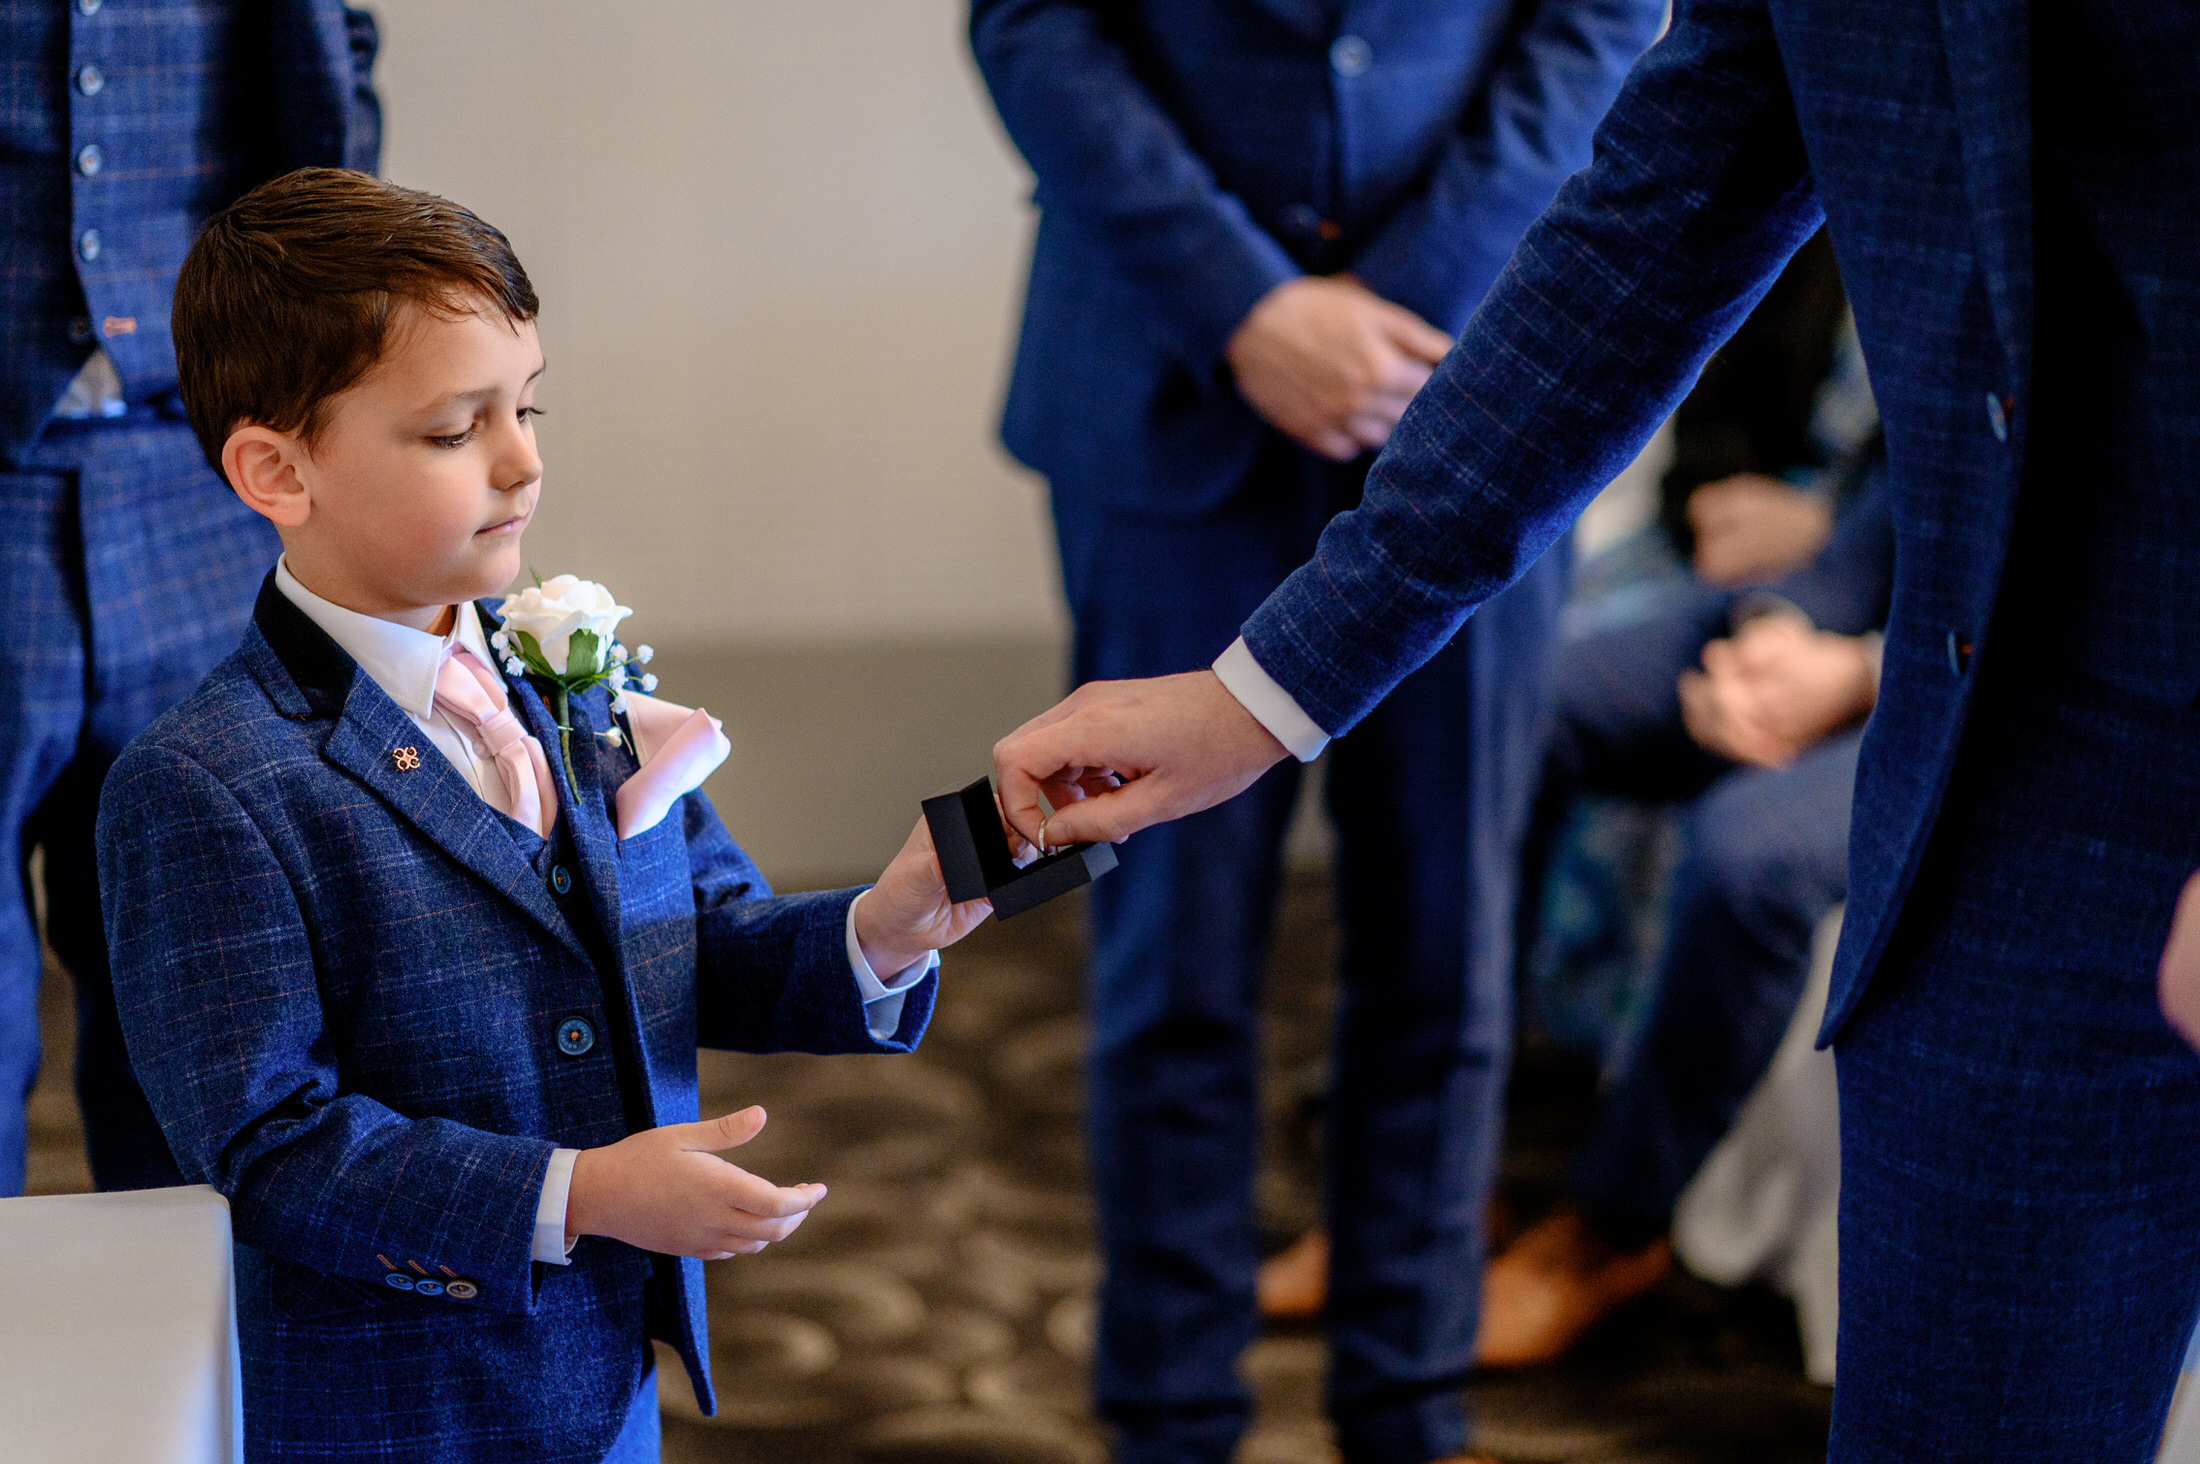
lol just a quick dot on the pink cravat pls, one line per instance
(470, 694)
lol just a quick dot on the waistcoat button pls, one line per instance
(1997, 417)
(91, 81)
(575, 1036)
(87, 248)
(561, 878)
(90, 159)
(1349, 56)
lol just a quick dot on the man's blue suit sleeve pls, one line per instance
(215, 982)
(1594, 331)
(1108, 156)
(1528, 130)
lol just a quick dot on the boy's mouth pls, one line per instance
(503, 527)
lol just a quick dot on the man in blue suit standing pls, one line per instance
(1259, 221)
(129, 567)
(2013, 193)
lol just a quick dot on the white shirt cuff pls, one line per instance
(551, 1246)
(1270, 704)
(882, 999)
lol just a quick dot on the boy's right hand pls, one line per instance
(666, 1190)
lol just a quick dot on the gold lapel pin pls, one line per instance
(406, 758)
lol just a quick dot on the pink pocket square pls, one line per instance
(678, 748)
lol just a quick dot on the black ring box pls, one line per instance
(974, 857)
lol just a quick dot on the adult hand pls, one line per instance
(1774, 689)
(907, 913)
(1750, 528)
(2179, 982)
(666, 1190)
(1330, 364)
(1116, 756)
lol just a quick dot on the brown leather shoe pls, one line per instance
(1294, 1283)
(1553, 1284)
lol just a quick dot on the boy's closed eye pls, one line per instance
(460, 439)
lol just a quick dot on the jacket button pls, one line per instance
(461, 1290)
(90, 158)
(1997, 417)
(90, 80)
(399, 1280)
(1349, 56)
(561, 878)
(1959, 652)
(575, 1036)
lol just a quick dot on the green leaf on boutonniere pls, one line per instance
(583, 658)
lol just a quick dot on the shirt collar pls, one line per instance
(404, 662)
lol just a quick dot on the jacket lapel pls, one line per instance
(1989, 49)
(433, 796)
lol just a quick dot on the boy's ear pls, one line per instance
(261, 465)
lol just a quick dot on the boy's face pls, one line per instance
(418, 489)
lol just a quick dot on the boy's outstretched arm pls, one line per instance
(793, 973)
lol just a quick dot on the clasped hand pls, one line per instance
(666, 1190)
(1330, 364)
(1775, 689)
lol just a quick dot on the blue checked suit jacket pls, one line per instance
(343, 981)
(194, 103)
(1194, 154)
(1906, 126)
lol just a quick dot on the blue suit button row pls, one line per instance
(457, 1289)
(575, 1036)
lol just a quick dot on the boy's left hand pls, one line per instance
(907, 914)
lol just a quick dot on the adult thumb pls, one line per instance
(1113, 815)
(728, 1132)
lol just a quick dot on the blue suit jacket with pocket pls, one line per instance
(343, 983)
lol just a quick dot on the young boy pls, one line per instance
(434, 1034)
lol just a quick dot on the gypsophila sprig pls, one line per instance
(560, 632)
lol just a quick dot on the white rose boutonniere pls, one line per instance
(560, 631)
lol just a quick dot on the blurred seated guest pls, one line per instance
(1760, 743)
(1746, 707)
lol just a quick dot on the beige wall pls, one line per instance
(779, 245)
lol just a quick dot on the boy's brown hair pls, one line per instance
(285, 300)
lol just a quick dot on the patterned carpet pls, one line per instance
(937, 1308)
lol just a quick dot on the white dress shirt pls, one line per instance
(405, 663)
(1271, 706)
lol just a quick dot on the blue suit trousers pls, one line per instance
(129, 571)
(1428, 796)
(2020, 1129)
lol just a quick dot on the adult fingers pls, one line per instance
(1113, 815)
(1372, 429)
(1414, 335)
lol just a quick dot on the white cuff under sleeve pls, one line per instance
(882, 999)
(1269, 703)
(551, 1247)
